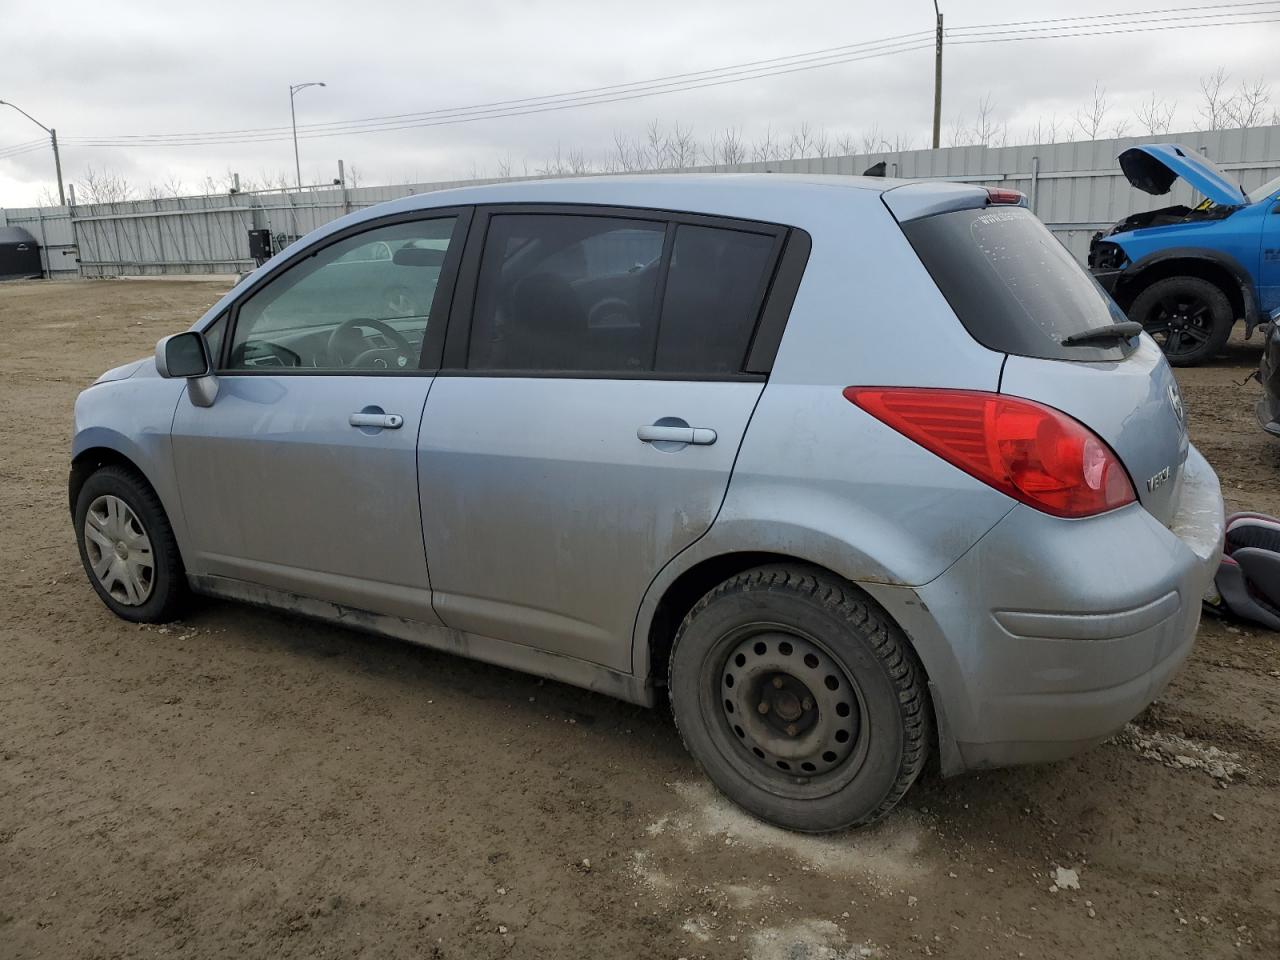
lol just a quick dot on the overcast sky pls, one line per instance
(139, 67)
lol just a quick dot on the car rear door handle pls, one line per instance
(382, 421)
(699, 435)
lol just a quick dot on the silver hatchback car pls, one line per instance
(861, 471)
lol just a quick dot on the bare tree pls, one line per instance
(984, 128)
(576, 163)
(821, 143)
(799, 143)
(1155, 114)
(105, 186)
(1215, 102)
(354, 175)
(504, 168)
(681, 148)
(1044, 131)
(872, 139)
(1248, 107)
(1091, 117)
(766, 148)
(846, 144)
(1120, 128)
(960, 133)
(655, 146)
(727, 149)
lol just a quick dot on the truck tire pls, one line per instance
(1189, 317)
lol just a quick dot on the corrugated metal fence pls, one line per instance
(1076, 188)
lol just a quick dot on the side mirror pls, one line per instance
(182, 355)
(186, 355)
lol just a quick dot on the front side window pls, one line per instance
(362, 303)
(568, 294)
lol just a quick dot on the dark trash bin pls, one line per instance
(19, 254)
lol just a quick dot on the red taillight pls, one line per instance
(1004, 195)
(1031, 452)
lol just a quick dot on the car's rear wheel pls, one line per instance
(1189, 317)
(128, 548)
(800, 698)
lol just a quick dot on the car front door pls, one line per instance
(584, 427)
(301, 475)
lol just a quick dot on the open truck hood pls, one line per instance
(1154, 167)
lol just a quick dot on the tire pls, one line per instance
(1190, 318)
(124, 506)
(796, 638)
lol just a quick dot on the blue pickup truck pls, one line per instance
(1188, 274)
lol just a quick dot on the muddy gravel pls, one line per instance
(245, 785)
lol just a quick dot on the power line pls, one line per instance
(1188, 21)
(852, 48)
(541, 107)
(1103, 33)
(1127, 13)
(18, 150)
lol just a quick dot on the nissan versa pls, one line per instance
(860, 471)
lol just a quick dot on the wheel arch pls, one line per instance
(668, 606)
(1221, 269)
(99, 447)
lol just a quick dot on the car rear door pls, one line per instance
(598, 378)
(302, 474)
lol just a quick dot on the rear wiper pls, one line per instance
(1116, 331)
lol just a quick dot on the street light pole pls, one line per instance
(293, 118)
(937, 79)
(53, 139)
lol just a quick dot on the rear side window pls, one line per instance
(605, 295)
(567, 293)
(715, 286)
(1015, 288)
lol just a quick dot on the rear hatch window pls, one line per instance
(1011, 283)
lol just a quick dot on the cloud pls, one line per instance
(147, 67)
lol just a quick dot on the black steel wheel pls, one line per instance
(1188, 317)
(801, 699)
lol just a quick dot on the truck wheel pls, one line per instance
(1190, 318)
(127, 547)
(803, 702)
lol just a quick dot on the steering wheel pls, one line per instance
(612, 312)
(348, 347)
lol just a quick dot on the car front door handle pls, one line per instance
(663, 434)
(381, 421)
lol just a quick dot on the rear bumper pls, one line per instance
(1049, 635)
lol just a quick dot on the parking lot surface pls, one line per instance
(242, 784)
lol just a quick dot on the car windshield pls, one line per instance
(1264, 191)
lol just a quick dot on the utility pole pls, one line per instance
(293, 118)
(53, 139)
(937, 80)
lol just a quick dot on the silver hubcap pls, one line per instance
(119, 550)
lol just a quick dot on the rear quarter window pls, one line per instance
(1011, 283)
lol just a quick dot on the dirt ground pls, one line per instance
(244, 785)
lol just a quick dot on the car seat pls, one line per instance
(1248, 579)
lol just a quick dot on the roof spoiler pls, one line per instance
(927, 198)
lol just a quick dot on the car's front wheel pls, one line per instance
(1189, 317)
(800, 698)
(128, 548)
